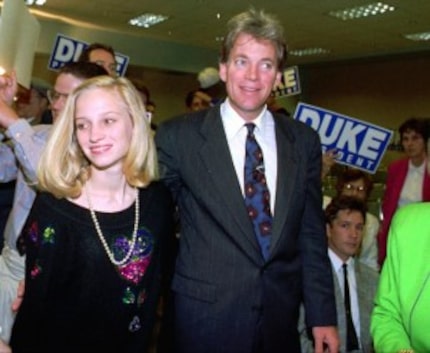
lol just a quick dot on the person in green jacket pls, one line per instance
(401, 317)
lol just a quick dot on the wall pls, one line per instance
(145, 52)
(168, 88)
(384, 91)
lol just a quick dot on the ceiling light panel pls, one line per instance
(147, 20)
(423, 36)
(35, 2)
(373, 9)
(309, 52)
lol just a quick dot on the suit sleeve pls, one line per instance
(28, 143)
(8, 167)
(166, 143)
(318, 288)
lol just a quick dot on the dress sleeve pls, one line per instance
(387, 326)
(28, 143)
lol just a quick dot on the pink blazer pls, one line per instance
(396, 176)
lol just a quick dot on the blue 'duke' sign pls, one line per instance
(68, 49)
(359, 144)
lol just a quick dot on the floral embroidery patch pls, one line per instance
(33, 232)
(141, 298)
(48, 235)
(140, 259)
(129, 297)
(36, 270)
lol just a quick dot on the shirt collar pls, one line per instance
(419, 169)
(233, 122)
(337, 262)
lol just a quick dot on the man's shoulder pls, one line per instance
(189, 118)
(294, 127)
(42, 130)
(366, 273)
(371, 218)
(186, 127)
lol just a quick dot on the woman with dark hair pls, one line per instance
(408, 179)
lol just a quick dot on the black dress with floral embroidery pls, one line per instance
(75, 299)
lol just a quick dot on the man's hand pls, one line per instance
(4, 348)
(204, 96)
(8, 90)
(328, 161)
(19, 295)
(326, 339)
(8, 87)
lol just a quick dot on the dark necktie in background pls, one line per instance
(351, 336)
(257, 196)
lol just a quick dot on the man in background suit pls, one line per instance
(231, 295)
(345, 219)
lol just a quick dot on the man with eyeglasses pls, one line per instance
(18, 160)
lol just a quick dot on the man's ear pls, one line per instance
(277, 80)
(328, 230)
(223, 71)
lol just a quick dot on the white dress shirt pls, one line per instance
(412, 190)
(236, 132)
(337, 264)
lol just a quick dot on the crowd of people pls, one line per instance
(91, 260)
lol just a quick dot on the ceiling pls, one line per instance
(193, 23)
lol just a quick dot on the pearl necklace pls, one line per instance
(102, 238)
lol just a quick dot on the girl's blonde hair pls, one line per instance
(63, 168)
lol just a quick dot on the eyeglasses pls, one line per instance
(351, 187)
(54, 96)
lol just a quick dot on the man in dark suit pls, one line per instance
(234, 292)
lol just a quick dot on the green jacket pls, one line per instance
(401, 316)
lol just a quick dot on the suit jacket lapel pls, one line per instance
(363, 293)
(286, 178)
(341, 320)
(216, 156)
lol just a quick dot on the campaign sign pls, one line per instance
(290, 83)
(68, 49)
(359, 144)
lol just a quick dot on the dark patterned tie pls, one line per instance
(351, 336)
(257, 196)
